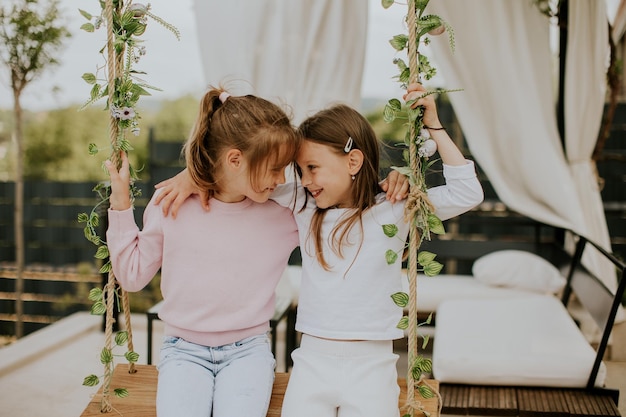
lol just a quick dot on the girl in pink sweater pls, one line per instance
(219, 268)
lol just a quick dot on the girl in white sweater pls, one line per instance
(345, 365)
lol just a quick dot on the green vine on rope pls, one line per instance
(419, 147)
(128, 24)
(121, 84)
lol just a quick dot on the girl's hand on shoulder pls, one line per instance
(396, 186)
(120, 182)
(176, 190)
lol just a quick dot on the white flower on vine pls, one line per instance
(139, 52)
(427, 148)
(135, 131)
(139, 10)
(124, 113)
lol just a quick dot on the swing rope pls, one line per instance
(416, 203)
(114, 69)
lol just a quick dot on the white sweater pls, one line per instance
(353, 301)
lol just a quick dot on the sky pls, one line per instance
(174, 66)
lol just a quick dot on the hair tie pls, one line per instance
(224, 96)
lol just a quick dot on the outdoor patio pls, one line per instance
(42, 373)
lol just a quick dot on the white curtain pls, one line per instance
(503, 63)
(507, 109)
(587, 62)
(305, 54)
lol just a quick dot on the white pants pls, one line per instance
(342, 379)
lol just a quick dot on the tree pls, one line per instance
(30, 34)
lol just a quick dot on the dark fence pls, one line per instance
(60, 263)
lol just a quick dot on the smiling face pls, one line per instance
(265, 183)
(326, 174)
(241, 180)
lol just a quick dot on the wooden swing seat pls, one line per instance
(142, 385)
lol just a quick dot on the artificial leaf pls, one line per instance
(85, 14)
(131, 356)
(401, 299)
(93, 149)
(391, 257)
(106, 356)
(121, 338)
(91, 380)
(105, 268)
(435, 225)
(89, 78)
(389, 115)
(424, 257)
(432, 269)
(126, 146)
(98, 308)
(406, 171)
(425, 391)
(102, 252)
(403, 323)
(88, 27)
(95, 294)
(421, 4)
(399, 42)
(121, 392)
(390, 230)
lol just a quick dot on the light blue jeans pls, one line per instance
(230, 380)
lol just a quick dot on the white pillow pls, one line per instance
(518, 269)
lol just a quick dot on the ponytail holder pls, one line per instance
(224, 96)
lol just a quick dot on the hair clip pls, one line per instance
(348, 146)
(224, 96)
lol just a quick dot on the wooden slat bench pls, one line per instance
(141, 401)
(526, 401)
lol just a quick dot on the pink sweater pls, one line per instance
(219, 269)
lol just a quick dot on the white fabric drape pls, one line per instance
(507, 109)
(305, 54)
(503, 63)
(587, 62)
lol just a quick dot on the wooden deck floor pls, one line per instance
(526, 402)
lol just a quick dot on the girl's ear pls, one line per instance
(233, 158)
(355, 161)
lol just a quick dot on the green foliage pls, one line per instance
(424, 221)
(31, 32)
(123, 88)
(175, 118)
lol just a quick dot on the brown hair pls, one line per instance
(333, 127)
(261, 130)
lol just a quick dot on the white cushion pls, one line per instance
(526, 341)
(432, 291)
(518, 269)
